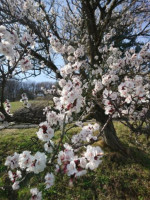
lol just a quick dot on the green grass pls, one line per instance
(118, 177)
(18, 105)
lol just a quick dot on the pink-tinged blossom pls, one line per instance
(71, 168)
(7, 49)
(62, 83)
(38, 163)
(25, 159)
(70, 59)
(93, 164)
(25, 101)
(97, 72)
(77, 65)
(45, 132)
(49, 180)
(67, 69)
(65, 156)
(15, 185)
(26, 38)
(12, 161)
(83, 162)
(52, 118)
(12, 38)
(96, 127)
(79, 52)
(56, 45)
(7, 107)
(49, 146)
(26, 64)
(93, 155)
(36, 195)
(98, 86)
(13, 176)
(46, 109)
(86, 134)
(107, 79)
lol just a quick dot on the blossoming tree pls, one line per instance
(101, 79)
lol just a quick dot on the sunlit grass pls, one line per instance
(18, 105)
(117, 178)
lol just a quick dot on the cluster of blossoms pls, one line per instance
(52, 91)
(8, 42)
(15, 178)
(70, 68)
(25, 64)
(75, 166)
(98, 86)
(71, 99)
(25, 101)
(125, 96)
(73, 54)
(27, 38)
(45, 132)
(25, 7)
(25, 161)
(56, 45)
(55, 119)
(131, 94)
(121, 85)
(7, 107)
(86, 134)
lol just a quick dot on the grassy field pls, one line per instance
(118, 178)
(18, 105)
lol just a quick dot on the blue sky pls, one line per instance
(43, 77)
(40, 78)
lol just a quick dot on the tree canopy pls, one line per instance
(103, 44)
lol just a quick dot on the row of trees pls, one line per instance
(14, 89)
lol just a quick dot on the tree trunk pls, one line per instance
(2, 109)
(111, 138)
(109, 134)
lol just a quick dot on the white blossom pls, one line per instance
(36, 195)
(49, 180)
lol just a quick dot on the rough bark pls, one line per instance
(111, 138)
(2, 109)
(109, 134)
